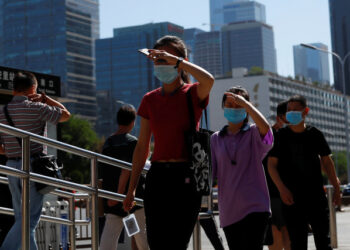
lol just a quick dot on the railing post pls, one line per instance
(197, 236)
(332, 218)
(94, 203)
(72, 227)
(25, 192)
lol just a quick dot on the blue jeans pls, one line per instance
(13, 239)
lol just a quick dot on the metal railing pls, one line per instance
(91, 191)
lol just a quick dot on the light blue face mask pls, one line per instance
(235, 115)
(294, 117)
(165, 73)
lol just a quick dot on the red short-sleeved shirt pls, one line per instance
(169, 119)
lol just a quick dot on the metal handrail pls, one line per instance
(91, 190)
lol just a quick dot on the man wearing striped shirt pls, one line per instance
(29, 111)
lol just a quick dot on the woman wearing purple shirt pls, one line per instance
(237, 154)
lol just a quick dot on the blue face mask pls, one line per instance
(165, 73)
(294, 117)
(235, 115)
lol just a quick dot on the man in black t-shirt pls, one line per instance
(295, 167)
(121, 146)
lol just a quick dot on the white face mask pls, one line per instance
(165, 73)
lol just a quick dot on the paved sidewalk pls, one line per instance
(343, 228)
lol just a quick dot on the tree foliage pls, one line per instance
(339, 159)
(255, 70)
(77, 132)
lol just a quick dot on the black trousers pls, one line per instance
(211, 230)
(171, 206)
(248, 233)
(301, 214)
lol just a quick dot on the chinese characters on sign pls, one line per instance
(49, 84)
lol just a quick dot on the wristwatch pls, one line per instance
(179, 60)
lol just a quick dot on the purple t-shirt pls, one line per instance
(242, 186)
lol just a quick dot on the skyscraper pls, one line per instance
(248, 44)
(311, 64)
(217, 13)
(189, 39)
(242, 11)
(123, 71)
(340, 31)
(54, 37)
(207, 52)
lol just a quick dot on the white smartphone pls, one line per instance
(144, 51)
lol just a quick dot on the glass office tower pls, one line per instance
(340, 31)
(217, 13)
(248, 44)
(244, 11)
(311, 64)
(123, 74)
(54, 37)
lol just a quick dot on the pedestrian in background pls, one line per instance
(171, 201)
(29, 111)
(280, 237)
(295, 167)
(237, 154)
(121, 146)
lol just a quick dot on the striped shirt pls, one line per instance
(29, 116)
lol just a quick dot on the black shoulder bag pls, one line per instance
(199, 150)
(42, 164)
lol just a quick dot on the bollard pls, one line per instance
(332, 217)
(197, 236)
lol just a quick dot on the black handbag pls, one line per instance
(41, 164)
(198, 143)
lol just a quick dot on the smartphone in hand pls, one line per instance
(144, 51)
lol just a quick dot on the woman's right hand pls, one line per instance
(128, 202)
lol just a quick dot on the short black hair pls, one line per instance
(126, 115)
(24, 81)
(298, 98)
(282, 108)
(236, 90)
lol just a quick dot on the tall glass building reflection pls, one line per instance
(54, 37)
(311, 64)
(123, 74)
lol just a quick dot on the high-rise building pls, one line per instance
(340, 31)
(189, 39)
(124, 72)
(54, 37)
(242, 11)
(207, 52)
(311, 64)
(248, 44)
(217, 13)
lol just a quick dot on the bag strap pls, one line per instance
(191, 112)
(8, 118)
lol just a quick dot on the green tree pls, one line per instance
(339, 159)
(77, 132)
(255, 70)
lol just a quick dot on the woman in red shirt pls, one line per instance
(171, 202)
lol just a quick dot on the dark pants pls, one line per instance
(301, 214)
(248, 233)
(171, 206)
(211, 230)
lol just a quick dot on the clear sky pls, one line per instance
(293, 21)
